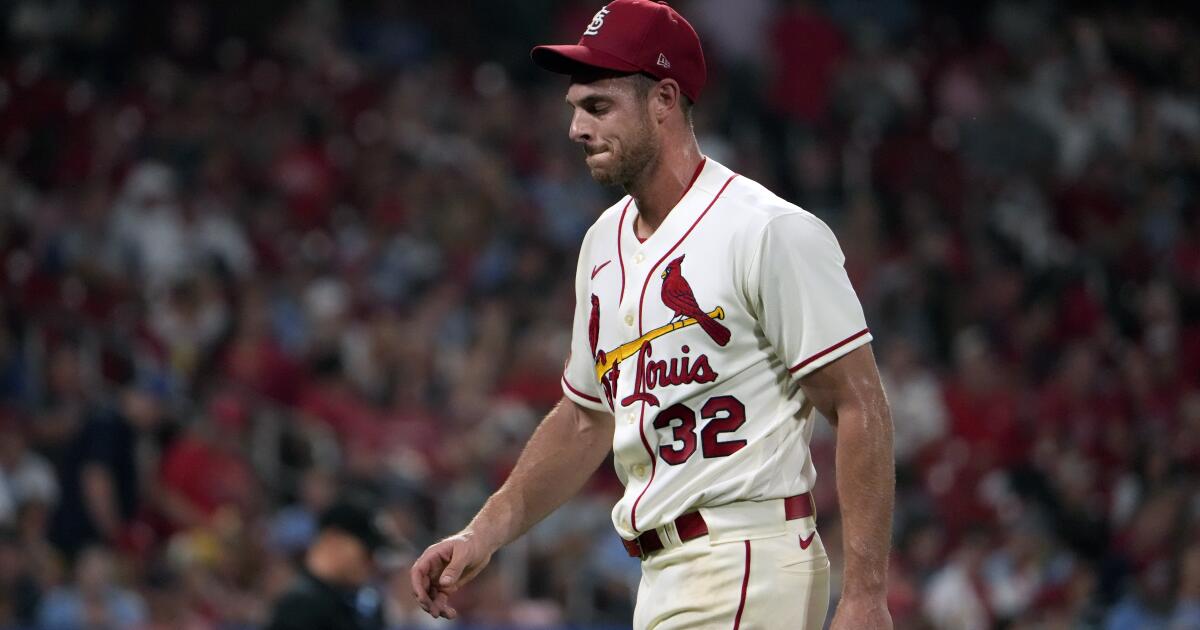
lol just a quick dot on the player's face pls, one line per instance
(612, 122)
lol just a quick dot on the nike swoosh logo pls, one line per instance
(596, 269)
(805, 542)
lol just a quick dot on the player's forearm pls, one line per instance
(866, 483)
(567, 447)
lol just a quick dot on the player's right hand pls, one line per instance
(444, 568)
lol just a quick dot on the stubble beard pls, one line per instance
(639, 156)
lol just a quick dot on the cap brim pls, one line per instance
(573, 59)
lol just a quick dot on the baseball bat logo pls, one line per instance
(652, 372)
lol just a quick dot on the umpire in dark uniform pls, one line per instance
(333, 591)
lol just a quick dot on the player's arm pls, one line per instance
(848, 393)
(567, 447)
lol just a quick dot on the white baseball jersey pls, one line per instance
(695, 340)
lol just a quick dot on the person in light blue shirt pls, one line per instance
(1187, 607)
(95, 600)
(1148, 603)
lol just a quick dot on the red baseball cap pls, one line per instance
(634, 36)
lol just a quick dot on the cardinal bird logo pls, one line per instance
(594, 324)
(677, 295)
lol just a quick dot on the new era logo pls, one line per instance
(597, 22)
(662, 61)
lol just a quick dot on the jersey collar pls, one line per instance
(709, 178)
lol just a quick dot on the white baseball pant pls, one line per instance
(752, 571)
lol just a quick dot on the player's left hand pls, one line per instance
(862, 613)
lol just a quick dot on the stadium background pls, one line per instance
(258, 254)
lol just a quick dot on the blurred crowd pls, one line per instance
(258, 255)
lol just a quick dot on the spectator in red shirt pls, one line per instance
(806, 49)
(206, 469)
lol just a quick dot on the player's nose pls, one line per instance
(579, 131)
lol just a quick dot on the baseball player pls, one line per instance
(712, 318)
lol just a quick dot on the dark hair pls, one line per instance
(355, 518)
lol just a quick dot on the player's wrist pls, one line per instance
(864, 585)
(864, 594)
(483, 537)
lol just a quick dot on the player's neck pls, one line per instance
(661, 187)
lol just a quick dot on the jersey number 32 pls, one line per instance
(725, 414)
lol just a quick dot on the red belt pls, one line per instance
(692, 525)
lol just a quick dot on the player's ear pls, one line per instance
(665, 98)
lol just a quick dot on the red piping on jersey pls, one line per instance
(695, 176)
(737, 621)
(620, 258)
(676, 245)
(653, 467)
(826, 351)
(577, 392)
(642, 420)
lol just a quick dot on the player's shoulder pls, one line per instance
(756, 209)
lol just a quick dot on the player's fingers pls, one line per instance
(454, 568)
(418, 580)
(427, 565)
(442, 604)
(431, 602)
(434, 609)
(418, 577)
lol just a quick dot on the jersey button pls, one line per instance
(638, 258)
(629, 319)
(639, 470)
(629, 418)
